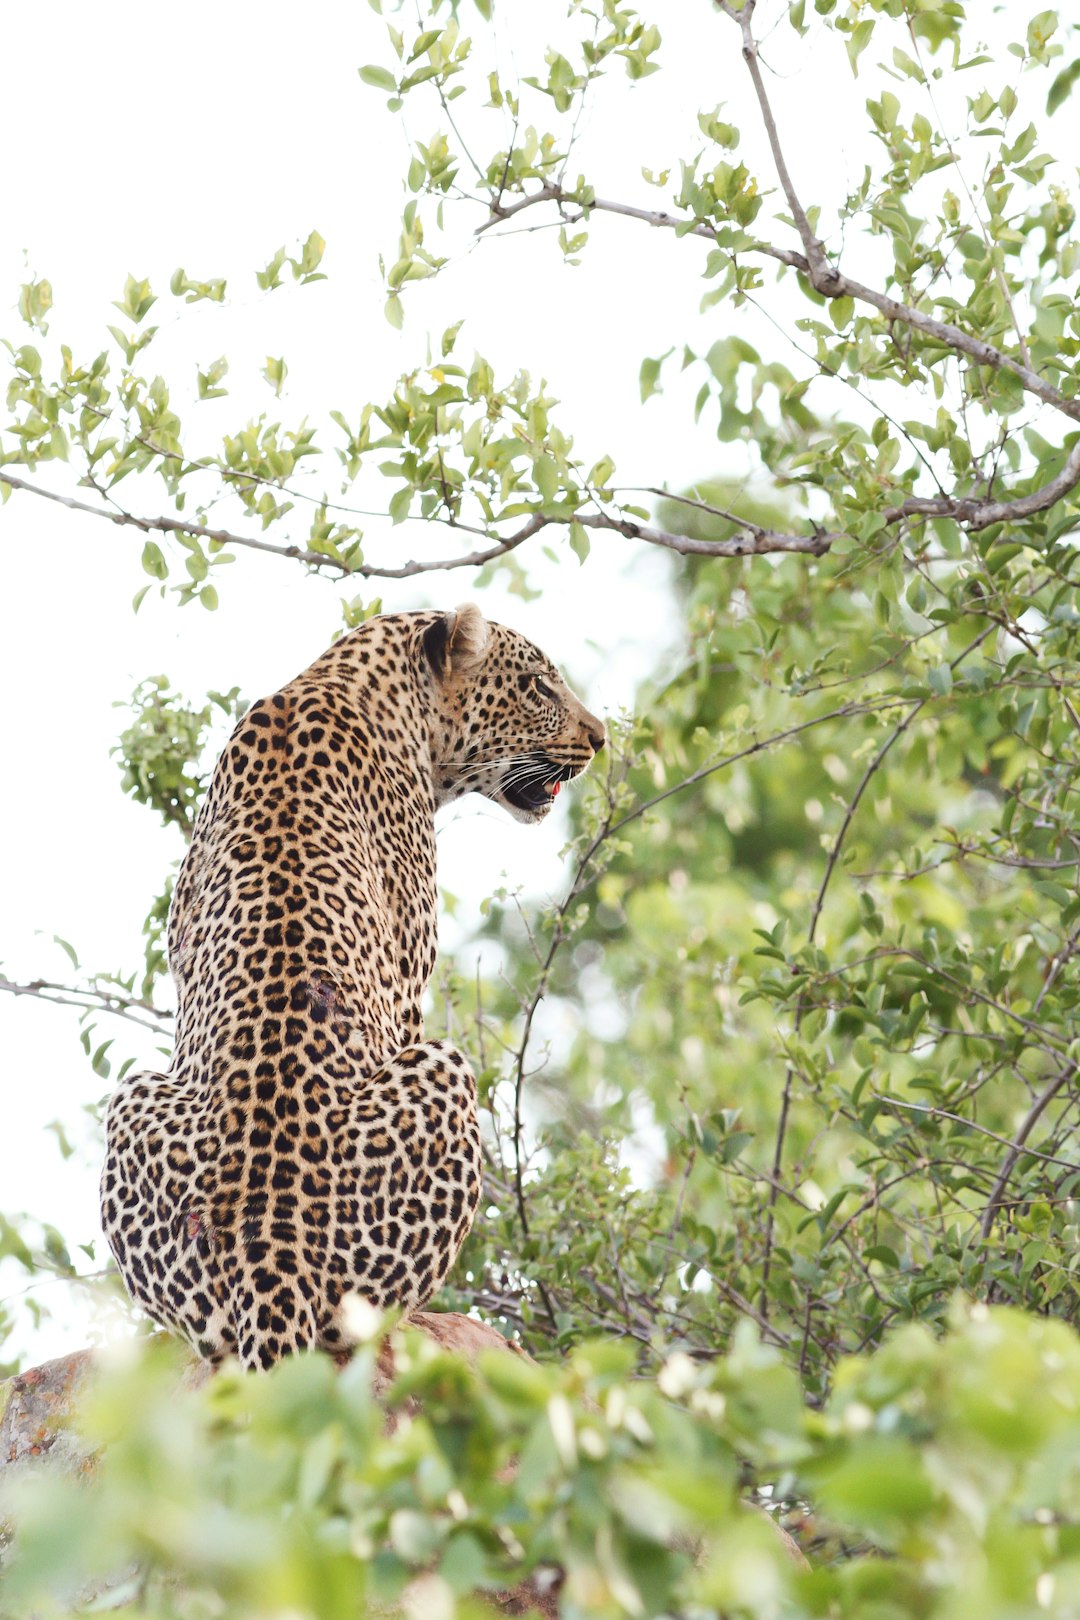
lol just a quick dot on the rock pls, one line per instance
(450, 1331)
(33, 1409)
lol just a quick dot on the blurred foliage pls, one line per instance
(158, 749)
(944, 1475)
(37, 1252)
(790, 1072)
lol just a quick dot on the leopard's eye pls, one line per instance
(544, 689)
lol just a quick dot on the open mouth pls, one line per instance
(534, 785)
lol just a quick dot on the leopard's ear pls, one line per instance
(457, 642)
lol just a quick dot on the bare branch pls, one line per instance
(168, 525)
(93, 999)
(754, 541)
(314, 559)
(973, 1124)
(602, 205)
(979, 513)
(1016, 1146)
(819, 266)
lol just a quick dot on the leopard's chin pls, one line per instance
(531, 815)
(530, 791)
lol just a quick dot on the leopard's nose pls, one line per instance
(597, 738)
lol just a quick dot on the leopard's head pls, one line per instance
(505, 723)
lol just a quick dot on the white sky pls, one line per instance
(205, 138)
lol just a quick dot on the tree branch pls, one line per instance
(754, 541)
(973, 1124)
(820, 270)
(953, 337)
(168, 525)
(789, 1077)
(92, 999)
(844, 712)
(826, 279)
(603, 205)
(829, 282)
(977, 512)
(1016, 1146)
(314, 559)
(830, 867)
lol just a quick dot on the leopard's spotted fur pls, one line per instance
(308, 1142)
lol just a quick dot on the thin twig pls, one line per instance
(983, 1130)
(830, 867)
(314, 559)
(833, 284)
(92, 999)
(1016, 1147)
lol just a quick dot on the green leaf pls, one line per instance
(153, 561)
(270, 278)
(379, 78)
(35, 301)
(394, 311)
(275, 372)
(449, 338)
(311, 255)
(857, 42)
(207, 380)
(579, 541)
(546, 475)
(400, 502)
(137, 299)
(884, 1255)
(63, 1141)
(99, 1062)
(732, 1146)
(1061, 89)
(423, 42)
(649, 377)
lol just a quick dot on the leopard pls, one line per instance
(308, 1146)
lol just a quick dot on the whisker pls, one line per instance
(536, 766)
(503, 759)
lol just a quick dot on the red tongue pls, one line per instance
(555, 790)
